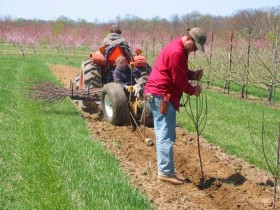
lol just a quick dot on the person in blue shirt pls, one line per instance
(124, 74)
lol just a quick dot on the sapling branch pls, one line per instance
(198, 115)
(273, 166)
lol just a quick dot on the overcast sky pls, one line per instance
(108, 10)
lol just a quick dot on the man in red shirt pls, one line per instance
(168, 80)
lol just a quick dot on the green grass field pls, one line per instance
(48, 159)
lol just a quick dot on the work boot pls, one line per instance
(171, 179)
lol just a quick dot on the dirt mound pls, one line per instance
(230, 183)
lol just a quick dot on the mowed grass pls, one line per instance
(48, 159)
(235, 124)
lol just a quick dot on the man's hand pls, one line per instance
(132, 65)
(195, 75)
(129, 88)
(198, 90)
(198, 74)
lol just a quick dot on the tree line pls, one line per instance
(242, 49)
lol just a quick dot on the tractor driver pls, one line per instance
(115, 38)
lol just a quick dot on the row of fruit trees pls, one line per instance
(238, 59)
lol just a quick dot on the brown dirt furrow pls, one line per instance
(230, 182)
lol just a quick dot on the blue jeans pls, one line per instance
(164, 126)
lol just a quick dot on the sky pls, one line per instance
(108, 10)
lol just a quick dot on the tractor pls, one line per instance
(95, 81)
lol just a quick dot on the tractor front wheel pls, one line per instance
(114, 104)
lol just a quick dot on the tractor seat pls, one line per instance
(113, 52)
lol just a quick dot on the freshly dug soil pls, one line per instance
(230, 183)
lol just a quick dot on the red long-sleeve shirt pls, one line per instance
(170, 73)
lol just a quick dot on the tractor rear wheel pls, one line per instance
(91, 78)
(114, 104)
(92, 74)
